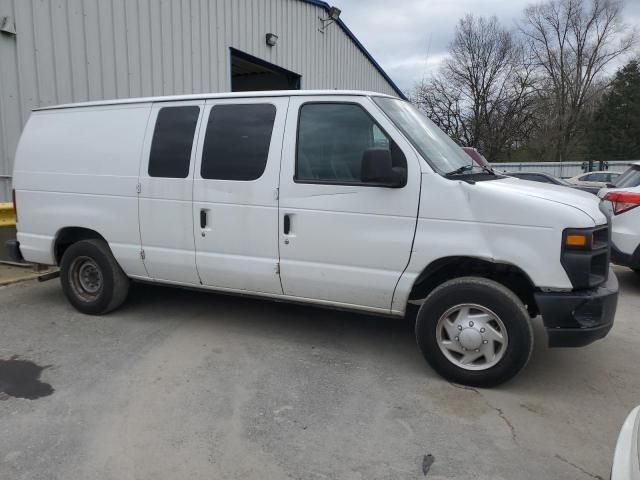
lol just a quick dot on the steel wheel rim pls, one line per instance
(86, 278)
(472, 337)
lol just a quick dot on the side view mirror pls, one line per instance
(377, 168)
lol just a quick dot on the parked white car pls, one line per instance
(594, 179)
(626, 459)
(621, 205)
(342, 199)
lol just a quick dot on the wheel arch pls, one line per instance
(67, 236)
(447, 268)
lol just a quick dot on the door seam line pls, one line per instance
(278, 186)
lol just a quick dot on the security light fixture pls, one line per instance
(271, 39)
(7, 25)
(332, 15)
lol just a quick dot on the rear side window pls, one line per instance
(332, 139)
(236, 145)
(596, 177)
(172, 142)
(612, 176)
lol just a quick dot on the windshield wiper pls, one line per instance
(459, 171)
(488, 169)
(465, 168)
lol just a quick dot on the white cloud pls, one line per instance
(417, 61)
(414, 67)
(409, 38)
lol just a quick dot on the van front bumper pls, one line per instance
(575, 319)
(13, 248)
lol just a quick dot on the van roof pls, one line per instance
(207, 96)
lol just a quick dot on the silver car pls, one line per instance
(594, 179)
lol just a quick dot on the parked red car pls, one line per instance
(477, 156)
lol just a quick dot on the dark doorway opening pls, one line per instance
(249, 73)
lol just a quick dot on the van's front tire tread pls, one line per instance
(115, 281)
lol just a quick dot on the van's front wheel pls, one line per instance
(474, 331)
(92, 280)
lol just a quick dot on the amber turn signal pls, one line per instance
(575, 240)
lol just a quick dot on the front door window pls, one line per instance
(332, 140)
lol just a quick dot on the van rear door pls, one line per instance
(166, 186)
(235, 202)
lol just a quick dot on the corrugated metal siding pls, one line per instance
(78, 50)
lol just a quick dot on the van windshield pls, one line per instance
(435, 146)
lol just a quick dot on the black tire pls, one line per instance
(95, 259)
(489, 295)
(636, 270)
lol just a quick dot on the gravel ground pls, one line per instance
(180, 384)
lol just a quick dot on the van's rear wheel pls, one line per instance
(474, 331)
(92, 280)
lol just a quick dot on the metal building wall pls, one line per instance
(77, 50)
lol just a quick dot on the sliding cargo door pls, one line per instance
(235, 201)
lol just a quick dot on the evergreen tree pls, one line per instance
(615, 130)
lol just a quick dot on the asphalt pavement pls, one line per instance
(180, 384)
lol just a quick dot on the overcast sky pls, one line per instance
(409, 38)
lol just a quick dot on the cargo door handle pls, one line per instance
(287, 225)
(203, 218)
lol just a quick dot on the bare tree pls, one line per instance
(445, 106)
(482, 93)
(571, 43)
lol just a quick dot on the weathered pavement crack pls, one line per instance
(501, 414)
(514, 437)
(578, 467)
(499, 411)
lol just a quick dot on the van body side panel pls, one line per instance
(79, 168)
(477, 220)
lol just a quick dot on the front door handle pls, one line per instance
(203, 218)
(287, 224)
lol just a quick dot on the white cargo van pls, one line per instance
(343, 199)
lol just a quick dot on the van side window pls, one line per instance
(332, 139)
(236, 145)
(172, 142)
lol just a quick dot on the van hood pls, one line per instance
(583, 201)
